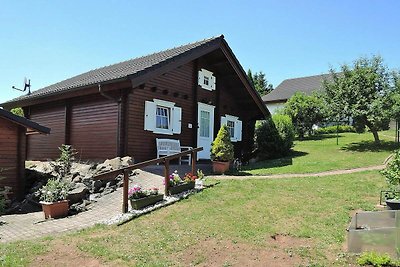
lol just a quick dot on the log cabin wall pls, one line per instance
(12, 155)
(175, 86)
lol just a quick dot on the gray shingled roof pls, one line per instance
(290, 86)
(116, 71)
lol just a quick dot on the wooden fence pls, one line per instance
(126, 170)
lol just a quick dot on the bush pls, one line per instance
(392, 172)
(62, 165)
(274, 137)
(377, 260)
(335, 129)
(221, 147)
(55, 190)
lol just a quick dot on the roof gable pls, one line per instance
(290, 86)
(32, 126)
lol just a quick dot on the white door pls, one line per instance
(205, 129)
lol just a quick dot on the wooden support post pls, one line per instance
(125, 192)
(166, 176)
(194, 159)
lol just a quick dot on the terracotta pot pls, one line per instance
(220, 167)
(53, 210)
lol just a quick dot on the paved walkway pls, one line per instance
(33, 225)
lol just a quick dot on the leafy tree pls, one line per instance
(305, 111)
(18, 111)
(259, 82)
(363, 92)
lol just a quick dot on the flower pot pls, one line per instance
(140, 203)
(54, 210)
(180, 188)
(393, 204)
(220, 167)
(199, 183)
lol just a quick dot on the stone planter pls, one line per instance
(220, 167)
(393, 204)
(140, 203)
(54, 210)
(180, 188)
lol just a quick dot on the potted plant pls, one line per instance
(392, 175)
(199, 183)
(222, 151)
(178, 185)
(142, 198)
(53, 197)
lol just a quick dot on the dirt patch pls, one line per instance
(279, 250)
(63, 254)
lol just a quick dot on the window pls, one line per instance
(204, 123)
(231, 128)
(162, 117)
(234, 127)
(207, 80)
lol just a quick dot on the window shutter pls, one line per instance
(177, 120)
(201, 78)
(224, 121)
(212, 82)
(238, 130)
(149, 116)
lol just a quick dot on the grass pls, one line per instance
(321, 153)
(249, 212)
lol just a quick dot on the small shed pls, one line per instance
(13, 131)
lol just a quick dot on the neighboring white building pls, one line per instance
(277, 98)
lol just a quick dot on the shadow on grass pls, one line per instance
(273, 163)
(371, 146)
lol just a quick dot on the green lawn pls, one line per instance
(233, 219)
(322, 154)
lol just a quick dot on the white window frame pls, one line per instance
(237, 126)
(174, 119)
(209, 76)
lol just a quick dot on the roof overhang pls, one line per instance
(32, 127)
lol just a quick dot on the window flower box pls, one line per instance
(176, 189)
(143, 202)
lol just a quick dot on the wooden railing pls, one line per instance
(126, 170)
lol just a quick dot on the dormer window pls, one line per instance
(207, 79)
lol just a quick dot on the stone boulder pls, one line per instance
(78, 193)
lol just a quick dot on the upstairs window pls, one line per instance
(207, 79)
(234, 127)
(162, 117)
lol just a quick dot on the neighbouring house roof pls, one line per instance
(288, 87)
(32, 127)
(137, 68)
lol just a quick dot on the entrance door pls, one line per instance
(205, 129)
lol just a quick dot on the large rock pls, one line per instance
(78, 193)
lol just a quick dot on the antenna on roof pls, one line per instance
(27, 85)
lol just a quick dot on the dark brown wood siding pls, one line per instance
(94, 127)
(175, 86)
(12, 156)
(43, 147)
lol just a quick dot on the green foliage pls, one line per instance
(63, 164)
(54, 190)
(259, 82)
(305, 111)
(335, 129)
(18, 111)
(376, 260)
(364, 92)
(392, 172)
(274, 136)
(221, 147)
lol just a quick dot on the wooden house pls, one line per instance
(182, 93)
(13, 132)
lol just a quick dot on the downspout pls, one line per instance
(119, 123)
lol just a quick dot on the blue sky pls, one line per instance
(48, 41)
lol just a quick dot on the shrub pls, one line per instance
(54, 190)
(274, 136)
(377, 260)
(335, 129)
(63, 164)
(392, 172)
(221, 147)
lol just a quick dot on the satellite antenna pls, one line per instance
(26, 85)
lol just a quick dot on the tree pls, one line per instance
(259, 82)
(363, 92)
(18, 111)
(305, 111)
